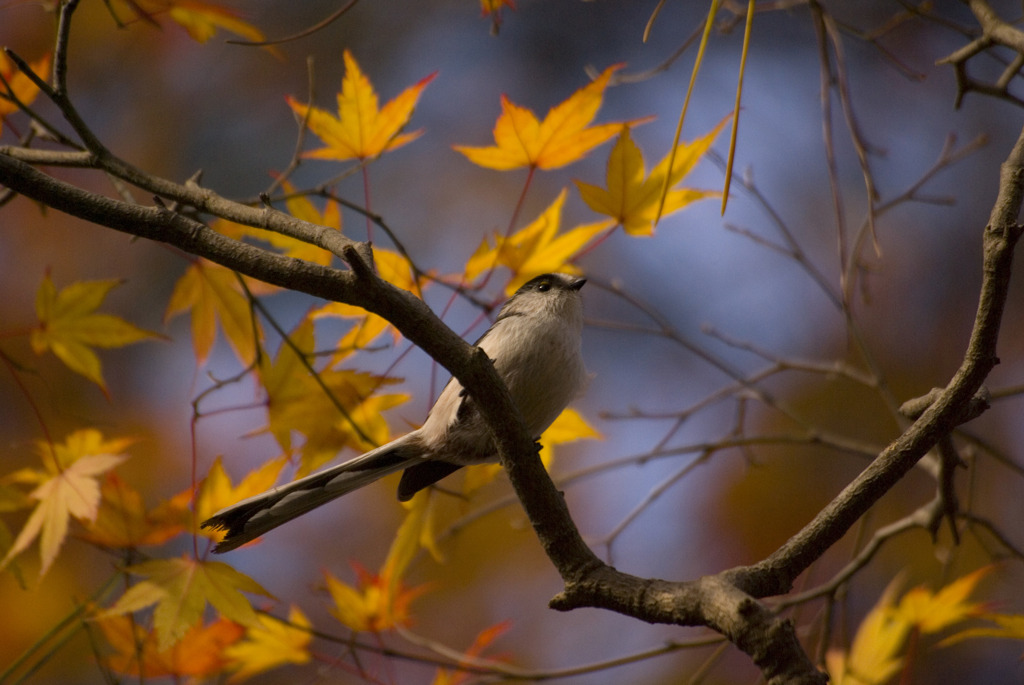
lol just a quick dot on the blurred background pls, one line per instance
(172, 107)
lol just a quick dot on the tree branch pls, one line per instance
(589, 582)
(726, 602)
(959, 402)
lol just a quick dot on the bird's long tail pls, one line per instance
(254, 516)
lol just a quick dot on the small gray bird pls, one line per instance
(535, 346)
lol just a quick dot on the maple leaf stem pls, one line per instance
(322, 24)
(736, 109)
(650, 22)
(592, 246)
(193, 476)
(686, 104)
(12, 368)
(512, 221)
(521, 201)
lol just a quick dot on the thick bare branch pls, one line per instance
(958, 402)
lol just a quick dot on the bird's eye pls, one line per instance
(544, 286)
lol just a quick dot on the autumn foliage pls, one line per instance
(161, 605)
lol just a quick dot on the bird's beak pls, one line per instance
(577, 284)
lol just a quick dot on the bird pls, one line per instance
(535, 345)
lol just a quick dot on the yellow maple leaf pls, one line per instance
(1007, 626)
(877, 650)
(875, 655)
(20, 85)
(216, 491)
(201, 19)
(123, 521)
(535, 249)
(181, 588)
(343, 409)
(403, 548)
(396, 270)
(73, 493)
(361, 130)
(70, 327)
(565, 136)
(570, 426)
(632, 197)
(366, 328)
(199, 653)
(270, 644)
(67, 488)
(421, 524)
(80, 443)
(932, 612)
(212, 295)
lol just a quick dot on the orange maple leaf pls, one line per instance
(362, 130)
(565, 135)
(535, 249)
(632, 197)
(67, 488)
(70, 327)
(201, 651)
(492, 9)
(19, 85)
(370, 606)
(491, 6)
